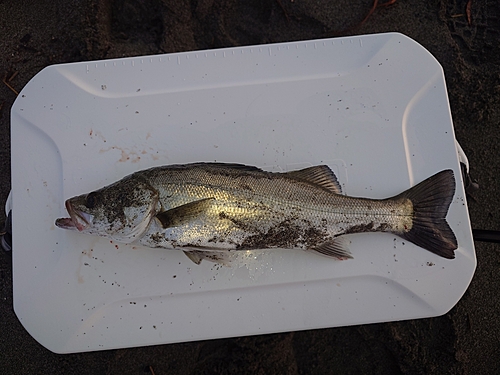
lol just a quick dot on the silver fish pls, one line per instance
(207, 209)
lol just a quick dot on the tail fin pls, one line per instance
(431, 199)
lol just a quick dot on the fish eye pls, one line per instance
(91, 200)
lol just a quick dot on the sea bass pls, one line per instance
(207, 209)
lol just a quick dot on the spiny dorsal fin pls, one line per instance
(183, 214)
(320, 175)
(240, 167)
(336, 248)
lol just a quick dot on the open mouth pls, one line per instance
(77, 220)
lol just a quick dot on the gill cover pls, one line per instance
(121, 211)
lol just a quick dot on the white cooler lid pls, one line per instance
(374, 108)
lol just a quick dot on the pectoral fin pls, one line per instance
(183, 214)
(337, 248)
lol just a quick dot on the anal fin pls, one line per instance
(336, 248)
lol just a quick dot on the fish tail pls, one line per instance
(431, 199)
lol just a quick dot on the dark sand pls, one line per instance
(465, 340)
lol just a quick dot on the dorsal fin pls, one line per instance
(320, 175)
(240, 167)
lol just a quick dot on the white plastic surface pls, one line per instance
(374, 108)
(8, 203)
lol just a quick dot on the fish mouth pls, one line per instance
(78, 220)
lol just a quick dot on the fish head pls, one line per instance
(121, 211)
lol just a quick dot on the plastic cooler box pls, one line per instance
(374, 108)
